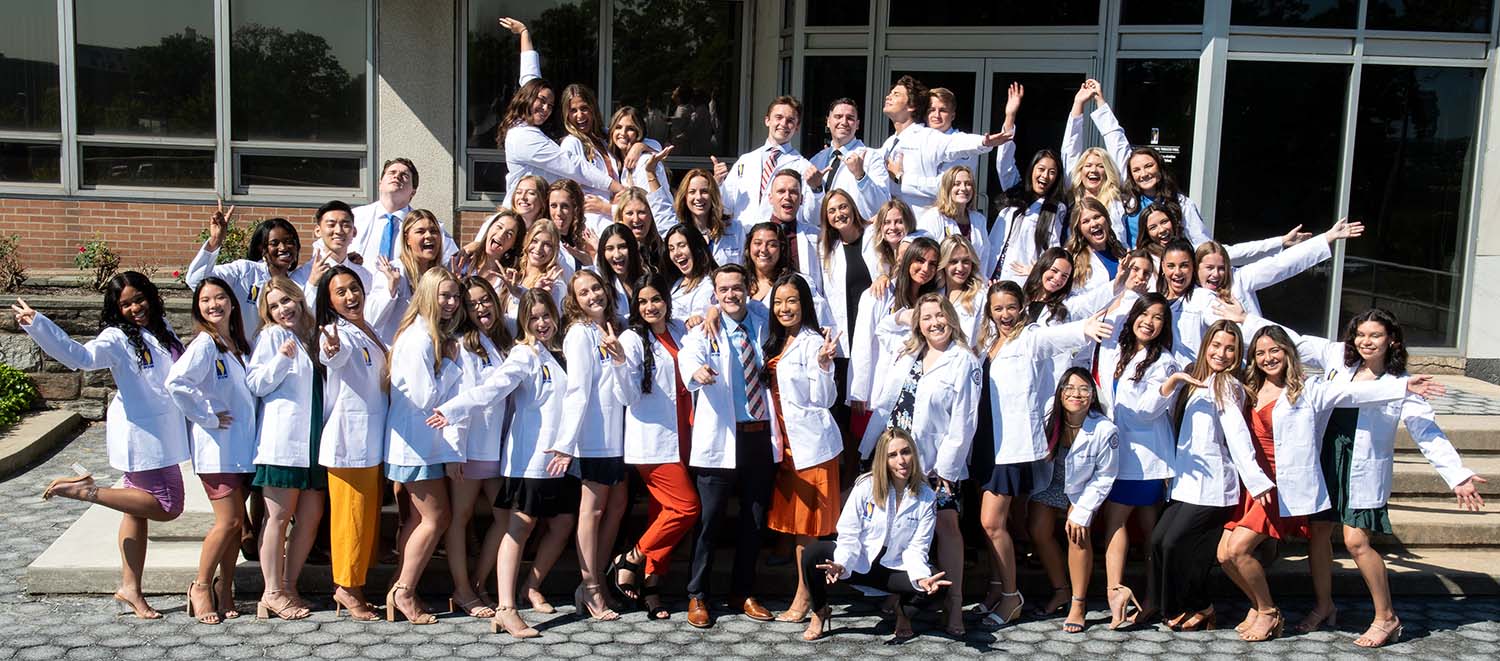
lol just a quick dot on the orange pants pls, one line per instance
(673, 512)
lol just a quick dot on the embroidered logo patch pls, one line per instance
(254, 293)
(546, 375)
(974, 376)
(147, 361)
(365, 351)
(221, 371)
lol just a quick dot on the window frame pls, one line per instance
(226, 152)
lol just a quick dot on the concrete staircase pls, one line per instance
(1436, 548)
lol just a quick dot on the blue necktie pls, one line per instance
(388, 240)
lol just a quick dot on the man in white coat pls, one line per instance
(746, 186)
(377, 225)
(798, 229)
(916, 151)
(732, 451)
(842, 162)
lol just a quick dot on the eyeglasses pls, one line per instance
(1077, 390)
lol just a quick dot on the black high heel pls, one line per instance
(657, 612)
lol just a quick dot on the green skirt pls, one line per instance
(313, 476)
(1337, 459)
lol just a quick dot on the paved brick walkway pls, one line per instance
(56, 627)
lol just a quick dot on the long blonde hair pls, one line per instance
(830, 237)
(880, 468)
(411, 270)
(530, 298)
(544, 231)
(424, 305)
(886, 252)
(916, 345)
(1079, 250)
(975, 284)
(1226, 286)
(945, 203)
(305, 323)
(1109, 191)
(1295, 377)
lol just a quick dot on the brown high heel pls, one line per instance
(1118, 615)
(231, 611)
(1277, 627)
(1204, 620)
(391, 608)
(210, 616)
(291, 611)
(1392, 634)
(498, 624)
(821, 623)
(1316, 620)
(369, 614)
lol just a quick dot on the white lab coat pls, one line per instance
(1298, 433)
(246, 279)
(714, 417)
(1215, 452)
(868, 193)
(835, 272)
(929, 185)
(595, 423)
(1012, 240)
(806, 392)
(143, 429)
(874, 343)
(384, 307)
(945, 414)
(284, 386)
(536, 383)
(691, 302)
(354, 406)
(371, 222)
(941, 227)
(603, 163)
(480, 435)
(904, 530)
(528, 151)
(923, 152)
(1020, 379)
(1139, 411)
(415, 391)
(729, 248)
(203, 382)
(1119, 148)
(1267, 271)
(651, 434)
(310, 288)
(741, 191)
(1375, 435)
(1092, 463)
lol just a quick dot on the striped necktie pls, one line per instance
(755, 398)
(768, 169)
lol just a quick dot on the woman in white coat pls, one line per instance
(698, 203)
(208, 386)
(1083, 447)
(1240, 283)
(1030, 221)
(534, 459)
(282, 374)
(1291, 407)
(799, 371)
(1095, 248)
(595, 425)
(1018, 357)
(932, 392)
(658, 434)
(1214, 456)
(884, 531)
(144, 433)
(692, 292)
(879, 330)
(274, 250)
(394, 283)
(421, 373)
(850, 266)
(484, 341)
(956, 213)
(962, 283)
(1090, 174)
(353, 441)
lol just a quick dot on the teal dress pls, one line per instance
(1337, 459)
(313, 476)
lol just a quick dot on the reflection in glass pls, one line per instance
(1279, 167)
(838, 12)
(488, 177)
(1057, 12)
(1430, 15)
(1161, 12)
(1412, 184)
(1295, 13)
(1038, 126)
(145, 67)
(28, 66)
(30, 163)
(146, 166)
(1155, 101)
(297, 70)
(678, 64)
(299, 171)
(823, 80)
(566, 33)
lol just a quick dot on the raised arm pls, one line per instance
(531, 63)
(106, 351)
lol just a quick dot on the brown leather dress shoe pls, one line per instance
(752, 609)
(697, 614)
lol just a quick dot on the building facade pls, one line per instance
(125, 119)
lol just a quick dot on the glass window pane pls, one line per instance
(28, 66)
(146, 166)
(30, 163)
(1430, 15)
(1161, 12)
(838, 12)
(488, 177)
(145, 67)
(1057, 12)
(825, 79)
(1279, 167)
(1412, 182)
(1038, 126)
(299, 171)
(1156, 101)
(1298, 14)
(567, 39)
(297, 70)
(681, 71)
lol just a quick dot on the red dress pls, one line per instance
(1250, 514)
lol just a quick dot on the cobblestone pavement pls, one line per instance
(57, 627)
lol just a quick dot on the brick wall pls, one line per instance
(143, 233)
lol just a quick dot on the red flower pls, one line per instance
(177, 274)
(82, 249)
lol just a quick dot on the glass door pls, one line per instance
(1049, 88)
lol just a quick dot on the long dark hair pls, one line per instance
(1059, 414)
(156, 314)
(1395, 354)
(783, 264)
(499, 335)
(1021, 197)
(235, 343)
(907, 299)
(520, 106)
(1036, 293)
(1129, 345)
(643, 329)
(776, 337)
(261, 239)
(323, 312)
(634, 267)
(1177, 245)
(1166, 187)
(1167, 208)
(703, 258)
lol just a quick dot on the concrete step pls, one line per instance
(1434, 522)
(1413, 476)
(1470, 434)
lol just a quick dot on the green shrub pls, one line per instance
(236, 242)
(99, 260)
(17, 395)
(12, 271)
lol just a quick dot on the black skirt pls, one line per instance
(607, 471)
(539, 497)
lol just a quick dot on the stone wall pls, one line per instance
(88, 393)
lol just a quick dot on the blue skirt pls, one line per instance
(407, 474)
(1138, 493)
